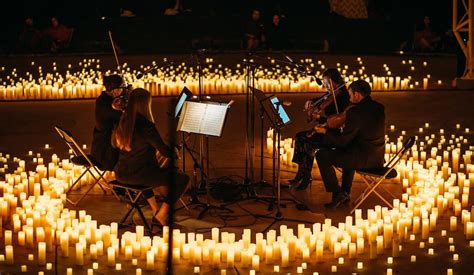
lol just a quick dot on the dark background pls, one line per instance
(217, 24)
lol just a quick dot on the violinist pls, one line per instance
(359, 145)
(106, 117)
(318, 109)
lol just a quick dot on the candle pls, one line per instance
(453, 223)
(9, 255)
(110, 256)
(41, 253)
(8, 237)
(150, 260)
(255, 262)
(360, 265)
(79, 254)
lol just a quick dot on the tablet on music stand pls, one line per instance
(278, 106)
(185, 95)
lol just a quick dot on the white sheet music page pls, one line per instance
(202, 118)
(213, 121)
(190, 121)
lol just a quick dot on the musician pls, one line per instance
(106, 118)
(360, 144)
(138, 140)
(306, 141)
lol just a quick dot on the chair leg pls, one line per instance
(83, 195)
(142, 217)
(124, 218)
(77, 181)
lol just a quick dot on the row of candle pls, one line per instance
(38, 222)
(86, 82)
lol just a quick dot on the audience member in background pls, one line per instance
(57, 35)
(277, 38)
(426, 39)
(253, 31)
(29, 38)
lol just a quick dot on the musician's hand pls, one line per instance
(316, 116)
(177, 154)
(320, 130)
(308, 105)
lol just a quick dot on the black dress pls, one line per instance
(140, 166)
(106, 117)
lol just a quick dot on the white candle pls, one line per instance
(41, 253)
(111, 256)
(9, 255)
(79, 254)
(150, 260)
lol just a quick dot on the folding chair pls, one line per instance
(82, 159)
(373, 177)
(132, 194)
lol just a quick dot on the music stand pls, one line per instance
(206, 119)
(278, 118)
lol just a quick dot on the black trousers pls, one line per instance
(304, 150)
(328, 159)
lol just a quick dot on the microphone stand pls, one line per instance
(199, 164)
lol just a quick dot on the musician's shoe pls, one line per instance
(337, 200)
(305, 182)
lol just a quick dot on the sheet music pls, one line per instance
(214, 119)
(202, 118)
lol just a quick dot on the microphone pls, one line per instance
(299, 67)
(167, 63)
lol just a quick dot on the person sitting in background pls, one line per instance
(58, 35)
(253, 31)
(138, 142)
(106, 118)
(29, 38)
(425, 38)
(276, 35)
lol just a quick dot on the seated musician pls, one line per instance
(106, 118)
(305, 141)
(359, 145)
(138, 140)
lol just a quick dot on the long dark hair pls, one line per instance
(139, 102)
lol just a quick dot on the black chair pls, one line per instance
(373, 177)
(132, 195)
(85, 160)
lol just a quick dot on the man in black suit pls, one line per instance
(106, 117)
(360, 144)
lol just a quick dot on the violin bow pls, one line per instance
(331, 87)
(115, 51)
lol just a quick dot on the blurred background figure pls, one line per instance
(57, 36)
(277, 38)
(253, 31)
(426, 38)
(30, 36)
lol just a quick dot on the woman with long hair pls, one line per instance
(138, 140)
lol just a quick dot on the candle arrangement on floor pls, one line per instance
(85, 81)
(436, 178)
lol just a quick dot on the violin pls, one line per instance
(316, 110)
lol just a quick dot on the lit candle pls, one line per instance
(41, 253)
(79, 254)
(111, 256)
(453, 223)
(9, 255)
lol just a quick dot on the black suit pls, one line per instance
(106, 117)
(361, 144)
